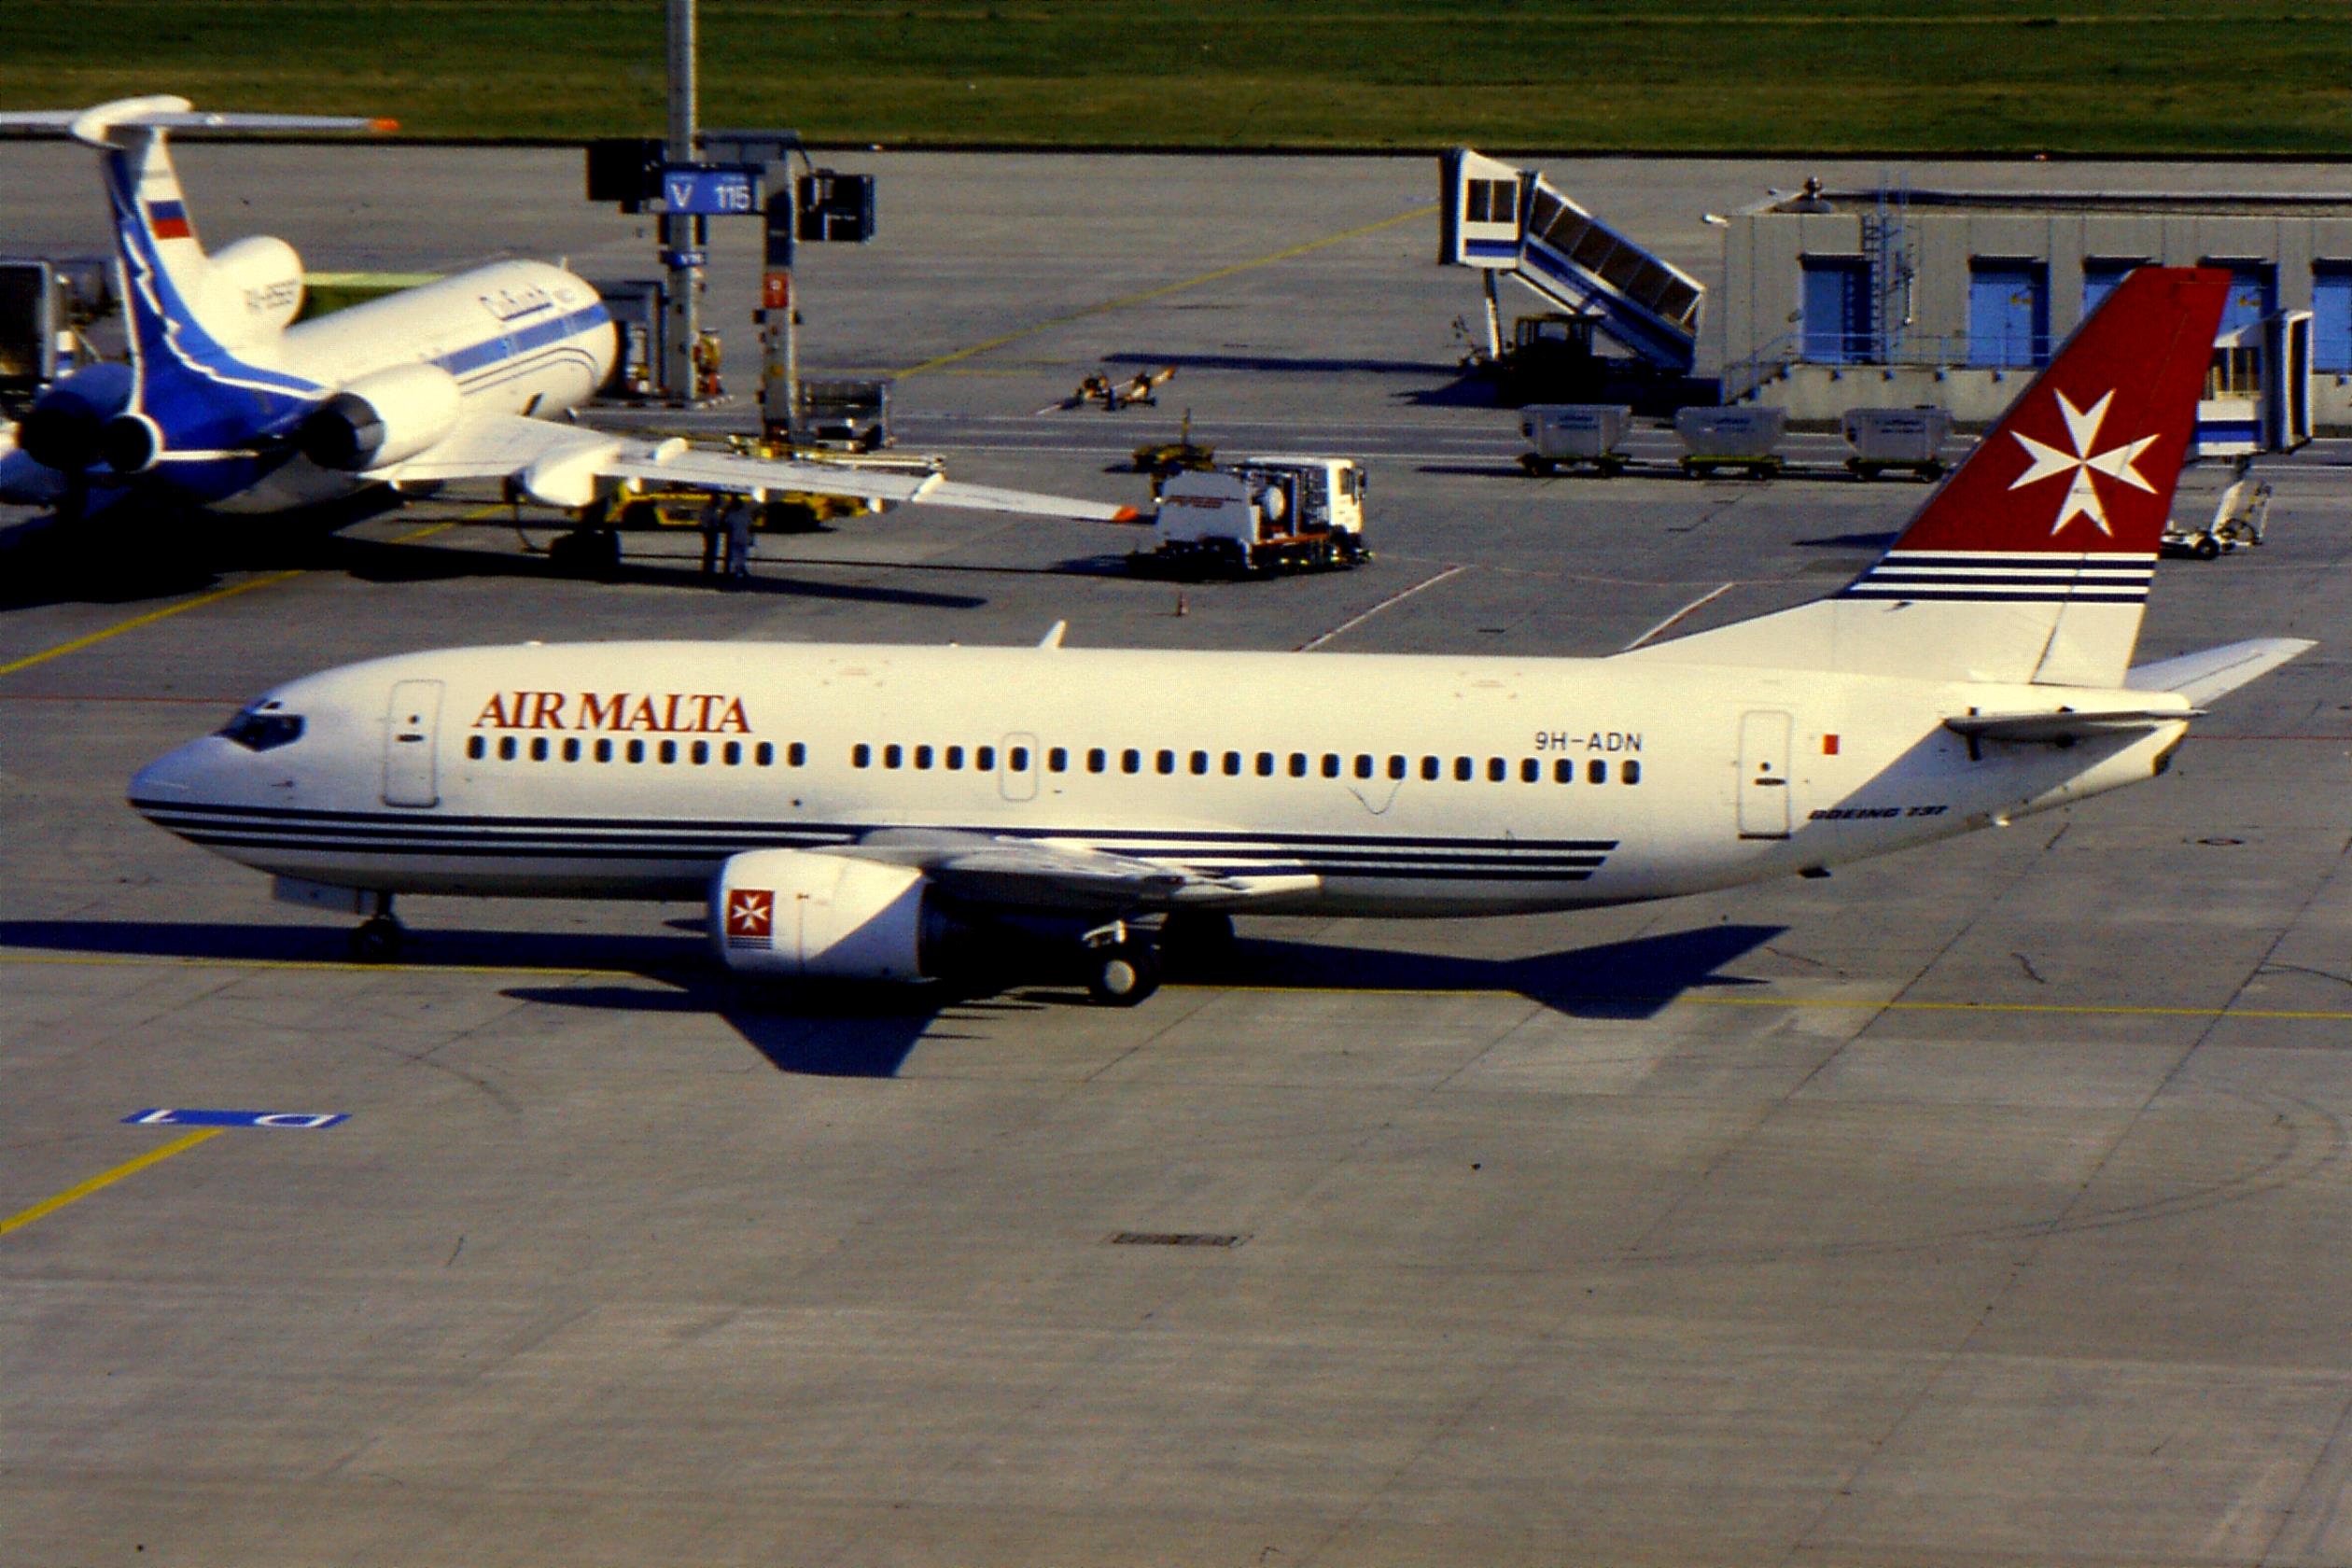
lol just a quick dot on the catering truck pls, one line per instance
(1260, 515)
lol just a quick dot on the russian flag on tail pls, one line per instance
(168, 220)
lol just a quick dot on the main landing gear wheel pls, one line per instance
(1122, 973)
(379, 939)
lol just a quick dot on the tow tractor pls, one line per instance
(1099, 388)
(1161, 458)
(1260, 515)
(2239, 518)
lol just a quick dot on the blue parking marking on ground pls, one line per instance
(303, 1121)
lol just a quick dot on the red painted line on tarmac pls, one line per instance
(69, 697)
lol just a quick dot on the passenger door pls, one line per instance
(1764, 804)
(412, 721)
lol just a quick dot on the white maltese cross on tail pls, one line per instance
(2083, 431)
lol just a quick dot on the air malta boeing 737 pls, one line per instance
(230, 405)
(899, 812)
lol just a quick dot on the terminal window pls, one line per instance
(1489, 200)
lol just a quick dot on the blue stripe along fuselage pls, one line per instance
(433, 836)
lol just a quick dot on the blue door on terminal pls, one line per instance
(2100, 274)
(2331, 316)
(2253, 295)
(2009, 314)
(1836, 310)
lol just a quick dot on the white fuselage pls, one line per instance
(518, 337)
(634, 770)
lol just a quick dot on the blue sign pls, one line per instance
(710, 189)
(297, 1120)
(685, 259)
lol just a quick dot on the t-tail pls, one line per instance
(203, 327)
(2032, 563)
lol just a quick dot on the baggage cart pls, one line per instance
(1745, 439)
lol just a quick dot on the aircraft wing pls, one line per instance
(561, 465)
(1026, 873)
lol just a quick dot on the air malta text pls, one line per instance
(654, 712)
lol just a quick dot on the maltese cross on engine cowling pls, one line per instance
(2082, 433)
(751, 915)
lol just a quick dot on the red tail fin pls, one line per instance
(2085, 460)
(2033, 561)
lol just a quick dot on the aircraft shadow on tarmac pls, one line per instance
(1288, 364)
(869, 1031)
(1847, 542)
(109, 560)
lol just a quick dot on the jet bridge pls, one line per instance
(1514, 222)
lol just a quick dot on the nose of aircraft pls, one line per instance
(177, 777)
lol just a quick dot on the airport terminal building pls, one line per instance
(1898, 298)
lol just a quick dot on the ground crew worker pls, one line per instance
(706, 356)
(738, 521)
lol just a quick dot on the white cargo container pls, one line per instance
(1262, 514)
(1909, 440)
(1747, 439)
(1575, 435)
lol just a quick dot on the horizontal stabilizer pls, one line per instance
(163, 112)
(2066, 725)
(2215, 672)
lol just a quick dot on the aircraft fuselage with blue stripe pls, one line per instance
(229, 397)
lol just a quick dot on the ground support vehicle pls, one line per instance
(1739, 440)
(1567, 437)
(1895, 440)
(1161, 458)
(844, 416)
(2240, 518)
(1257, 516)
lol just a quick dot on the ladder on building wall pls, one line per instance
(1886, 248)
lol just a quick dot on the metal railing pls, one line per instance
(1871, 351)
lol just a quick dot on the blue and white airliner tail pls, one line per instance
(233, 405)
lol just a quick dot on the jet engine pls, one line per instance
(62, 429)
(382, 417)
(253, 288)
(793, 911)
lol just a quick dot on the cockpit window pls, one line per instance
(264, 727)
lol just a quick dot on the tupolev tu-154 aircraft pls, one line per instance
(896, 813)
(230, 405)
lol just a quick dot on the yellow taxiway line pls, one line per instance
(1124, 301)
(150, 619)
(1786, 1004)
(48, 1205)
(152, 616)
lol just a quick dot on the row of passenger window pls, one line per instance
(701, 753)
(982, 759)
(1233, 764)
